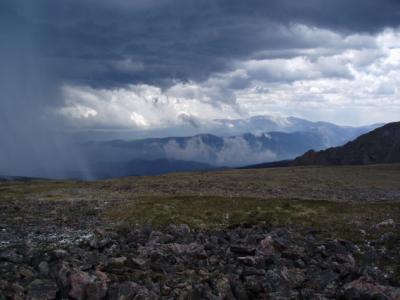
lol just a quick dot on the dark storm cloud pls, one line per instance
(45, 44)
(29, 146)
(105, 43)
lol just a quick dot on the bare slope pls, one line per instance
(381, 145)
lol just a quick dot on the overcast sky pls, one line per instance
(140, 64)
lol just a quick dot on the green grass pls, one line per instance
(20, 190)
(342, 220)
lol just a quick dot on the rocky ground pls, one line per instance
(114, 240)
(244, 262)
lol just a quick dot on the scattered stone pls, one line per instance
(98, 289)
(27, 272)
(242, 250)
(60, 253)
(79, 282)
(366, 288)
(44, 268)
(127, 290)
(243, 262)
(224, 288)
(248, 260)
(266, 246)
(117, 262)
(138, 263)
(42, 290)
(294, 277)
(63, 275)
(11, 255)
(385, 224)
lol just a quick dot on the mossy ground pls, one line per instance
(342, 200)
(342, 220)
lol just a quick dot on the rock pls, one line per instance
(198, 292)
(144, 294)
(321, 249)
(94, 242)
(63, 275)
(118, 261)
(95, 291)
(3, 284)
(345, 258)
(60, 253)
(42, 290)
(181, 230)
(100, 232)
(299, 263)
(17, 289)
(99, 241)
(294, 277)
(79, 282)
(11, 256)
(249, 271)
(138, 263)
(242, 250)
(187, 249)
(44, 268)
(98, 289)
(266, 246)
(27, 251)
(178, 249)
(253, 285)
(166, 290)
(104, 242)
(127, 290)
(322, 279)
(247, 260)
(294, 252)
(281, 243)
(14, 292)
(238, 289)
(27, 272)
(366, 288)
(224, 288)
(385, 224)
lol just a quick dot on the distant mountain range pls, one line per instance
(263, 140)
(17, 178)
(381, 145)
(207, 151)
(231, 127)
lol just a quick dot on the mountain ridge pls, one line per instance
(381, 145)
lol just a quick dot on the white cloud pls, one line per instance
(349, 80)
(142, 106)
(234, 151)
(311, 89)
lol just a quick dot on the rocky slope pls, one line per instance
(245, 262)
(121, 239)
(379, 146)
